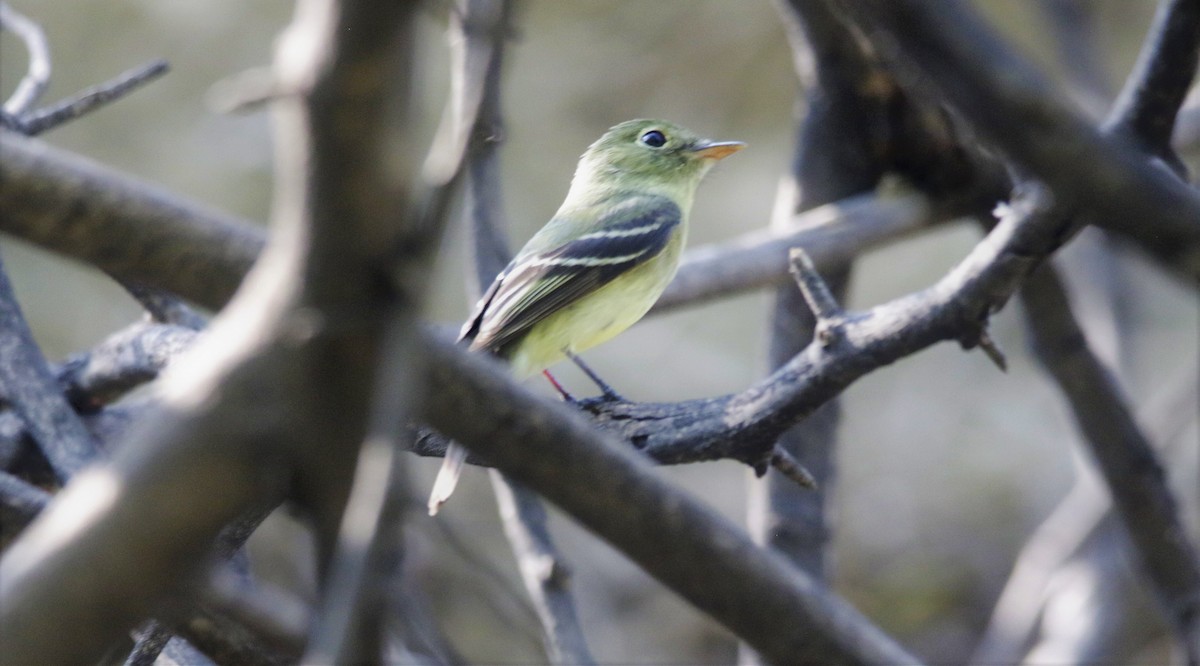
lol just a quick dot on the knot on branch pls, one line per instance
(552, 571)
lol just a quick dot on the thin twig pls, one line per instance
(816, 292)
(41, 120)
(37, 75)
(992, 350)
(153, 637)
(788, 466)
(546, 576)
(164, 307)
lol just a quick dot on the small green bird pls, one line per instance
(600, 263)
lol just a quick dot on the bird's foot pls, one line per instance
(562, 392)
(605, 389)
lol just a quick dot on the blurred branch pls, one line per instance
(1009, 104)
(268, 613)
(1136, 481)
(18, 113)
(349, 624)
(164, 307)
(546, 574)
(37, 75)
(483, 26)
(478, 40)
(1084, 511)
(831, 234)
(1073, 24)
(121, 362)
(20, 502)
(1148, 105)
(33, 123)
(30, 388)
(234, 416)
(131, 230)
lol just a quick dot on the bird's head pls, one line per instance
(650, 154)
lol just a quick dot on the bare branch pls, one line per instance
(122, 362)
(831, 234)
(788, 466)
(703, 557)
(165, 308)
(1135, 478)
(20, 502)
(1080, 514)
(1149, 104)
(816, 293)
(150, 644)
(1012, 106)
(36, 122)
(131, 230)
(31, 389)
(741, 426)
(37, 74)
(546, 575)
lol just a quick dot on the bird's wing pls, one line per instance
(539, 284)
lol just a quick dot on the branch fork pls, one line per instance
(824, 306)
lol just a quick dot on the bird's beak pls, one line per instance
(715, 150)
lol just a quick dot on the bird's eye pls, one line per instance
(654, 139)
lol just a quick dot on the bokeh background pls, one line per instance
(945, 464)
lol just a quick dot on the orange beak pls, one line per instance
(715, 150)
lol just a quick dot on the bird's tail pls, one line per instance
(447, 478)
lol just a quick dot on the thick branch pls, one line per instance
(947, 46)
(546, 576)
(131, 230)
(705, 559)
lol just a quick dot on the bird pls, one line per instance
(601, 261)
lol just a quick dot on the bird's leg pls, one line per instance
(562, 392)
(605, 389)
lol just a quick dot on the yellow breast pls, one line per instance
(599, 316)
